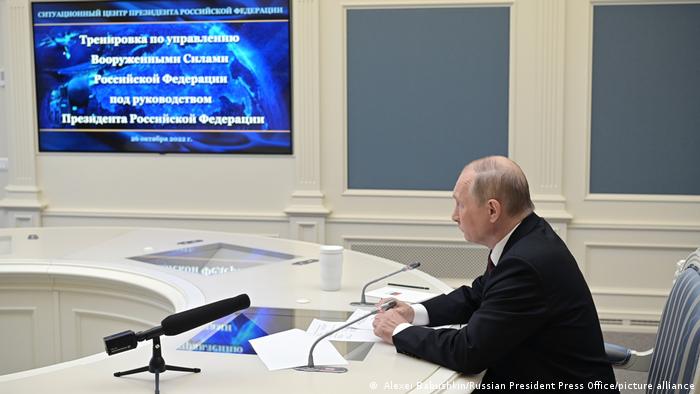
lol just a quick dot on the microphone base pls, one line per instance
(157, 366)
(360, 303)
(307, 368)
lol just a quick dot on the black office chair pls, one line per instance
(673, 362)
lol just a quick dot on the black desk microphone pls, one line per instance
(363, 299)
(171, 325)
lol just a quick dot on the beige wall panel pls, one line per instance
(27, 324)
(637, 267)
(17, 339)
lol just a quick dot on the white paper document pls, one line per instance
(288, 349)
(401, 294)
(364, 324)
(349, 334)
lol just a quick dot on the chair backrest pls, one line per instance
(674, 362)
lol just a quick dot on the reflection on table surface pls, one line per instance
(213, 259)
(231, 334)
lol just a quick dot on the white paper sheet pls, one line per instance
(321, 327)
(364, 324)
(288, 349)
(401, 294)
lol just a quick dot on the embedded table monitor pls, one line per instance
(231, 334)
(213, 259)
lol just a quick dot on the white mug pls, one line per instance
(331, 261)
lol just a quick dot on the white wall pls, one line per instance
(626, 245)
(164, 186)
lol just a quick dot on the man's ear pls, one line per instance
(495, 210)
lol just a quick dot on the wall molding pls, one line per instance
(628, 245)
(405, 220)
(10, 309)
(226, 216)
(402, 193)
(6, 285)
(308, 195)
(175, 215)
(306, 210)
(641, 2)
(538, 54)
(664, 198)
(144, 298)
(625, 291)
(412, 240)
(551, 35)
(632, 226)
(558, 220)
(589, 100)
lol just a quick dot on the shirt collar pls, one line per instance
(497, 250)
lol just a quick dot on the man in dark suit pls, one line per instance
(531, 321)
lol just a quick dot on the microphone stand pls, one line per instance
(363, 299)
(171, 325)
(157, 364)
(310, 367)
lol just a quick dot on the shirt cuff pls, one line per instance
(400, 328)
(420, 317)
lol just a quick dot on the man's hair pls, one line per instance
(501, 179)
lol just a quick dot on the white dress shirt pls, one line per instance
(421, 314)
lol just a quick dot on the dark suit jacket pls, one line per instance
(531, 319)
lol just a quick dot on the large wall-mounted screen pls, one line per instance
(194, 76)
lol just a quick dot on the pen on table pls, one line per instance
(408, 286)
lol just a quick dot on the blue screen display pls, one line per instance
(191, 76)
(229, 334)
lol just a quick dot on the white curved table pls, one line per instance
(103, 254)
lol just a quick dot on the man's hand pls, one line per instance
(385, 322)
(401, 307)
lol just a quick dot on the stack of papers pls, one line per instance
(361, 331)
(289, 349)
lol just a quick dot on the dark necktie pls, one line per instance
(490, 266)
